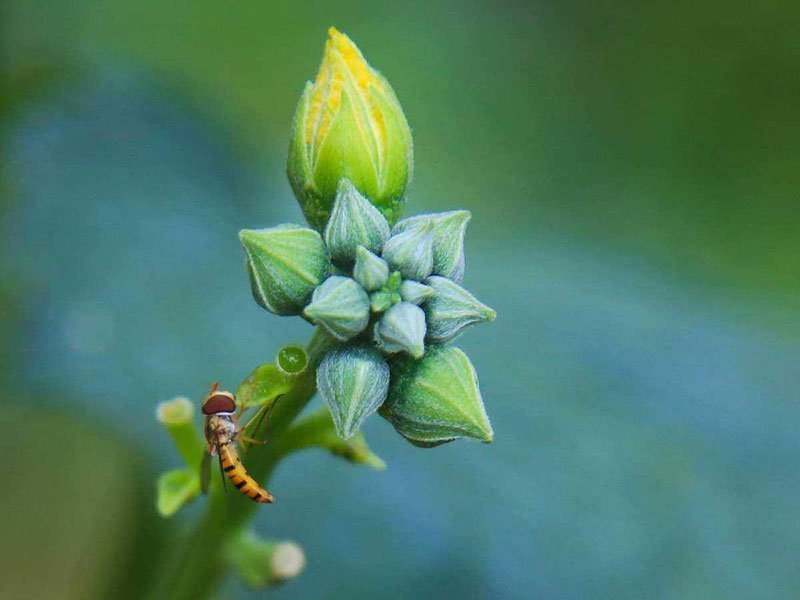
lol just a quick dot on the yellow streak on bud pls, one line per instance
(344, 70)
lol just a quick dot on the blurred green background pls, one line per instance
(633, 170)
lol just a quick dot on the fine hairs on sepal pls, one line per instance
(414, 292)
(411, 252)
(447, 230)
(340, 306)
(451, 309)
(353, 380)
(370, 271)
(402, 329)
(437, 399)
(354, 223)
(286, 263)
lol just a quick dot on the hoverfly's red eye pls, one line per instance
(221, 402)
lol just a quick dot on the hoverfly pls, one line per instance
(221, 434)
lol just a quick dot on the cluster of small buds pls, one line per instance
(386, 291)
(379, 292)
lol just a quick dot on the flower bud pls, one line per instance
(340, 306)
(285, 264)
(176, 412)
(411, 252)
(291, 361)
(380, 301)
(451, 309)
(448, 229)
(262, 562)
(353, 381)
(354, 222)
(349, 124)
(436, 399)
(402, 329)
(413, 292)
(370, 271)
(177, 415)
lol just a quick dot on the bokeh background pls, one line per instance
(633, 170)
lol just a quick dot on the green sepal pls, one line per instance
(451, 309)
(402, 329)
(380, 301)
(353, 380)
(354, 222)
(436, 399)
(176, 488)
(285, 264)
(340, 306)
(370, 271)
(395, 281)
(411, 252)
(448, 230)
(414, 292)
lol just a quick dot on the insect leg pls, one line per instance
(222, 472)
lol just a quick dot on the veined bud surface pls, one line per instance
(349, 124)
(354, 223)
(340, 306)
(286, 263)
(436, 399)
(353, 381)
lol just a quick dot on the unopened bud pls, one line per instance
(349, 124)
(340, 306)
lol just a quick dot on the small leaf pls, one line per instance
(353, 381)
(354, 222)
(411, 252)
(448, 229)
(402, 329)
(340, 306)
(370, 271)
(176, 488)
(263, 386)
(451, 309)
(413, 292)
(436, 399)
(285, 264)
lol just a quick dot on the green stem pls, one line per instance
(198, 564)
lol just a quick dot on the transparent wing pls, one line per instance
(205, 472)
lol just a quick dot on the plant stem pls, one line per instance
(197, 566)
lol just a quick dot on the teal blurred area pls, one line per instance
(632, 169)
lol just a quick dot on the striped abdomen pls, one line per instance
(234, 470)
